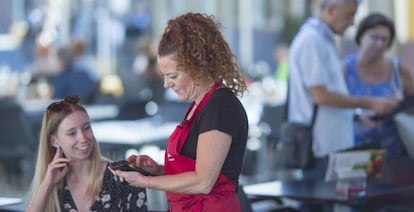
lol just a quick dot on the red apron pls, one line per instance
(223, 195)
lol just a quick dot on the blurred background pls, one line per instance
(113, 34)
(114, 43)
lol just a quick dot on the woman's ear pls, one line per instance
(53, 141)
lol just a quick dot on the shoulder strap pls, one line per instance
(315, 110)
(315, 106)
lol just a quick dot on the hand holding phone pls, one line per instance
(124, 165)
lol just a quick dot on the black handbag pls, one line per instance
(294, 149)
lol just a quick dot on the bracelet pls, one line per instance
(148, 182)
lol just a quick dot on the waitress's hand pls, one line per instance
(132, 178)
(147, 163)
(57, 169)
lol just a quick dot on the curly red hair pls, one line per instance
(201, 51)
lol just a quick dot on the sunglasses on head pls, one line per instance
(58, 106)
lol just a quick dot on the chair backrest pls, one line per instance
(272, 118)
(95, 92)
(173, 111)
(16, 136)
(398, 171)
(132, 110)
(244, 200)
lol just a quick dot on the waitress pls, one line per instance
(204, 154)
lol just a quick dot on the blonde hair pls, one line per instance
(50, 123)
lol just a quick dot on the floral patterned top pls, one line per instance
(114, 196)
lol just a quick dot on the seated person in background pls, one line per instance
(71, 174)
(369, 73)
(45, 63)
(80, 58)
(43, 68)
(71, 80)
(146, 69)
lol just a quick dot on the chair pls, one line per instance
(247, 202)
(92, 97)
(132, 110)
(271, 119)
(244, 200)
(173, 111)
(399, 171)
(17, 143)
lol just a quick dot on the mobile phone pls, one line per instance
(124, 165)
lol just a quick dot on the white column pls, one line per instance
(246, 32)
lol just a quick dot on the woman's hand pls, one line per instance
(147, 163)
(383, 105)
(368, 122)
(57, 169)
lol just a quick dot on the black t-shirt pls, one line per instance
(223, 112)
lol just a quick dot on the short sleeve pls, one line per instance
(222, 113)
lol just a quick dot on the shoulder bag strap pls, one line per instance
(315, 110)
(315, 106)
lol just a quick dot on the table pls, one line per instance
(394, 187)
(11, 204)
(117, 136)
(9, 200)
(319, 191)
